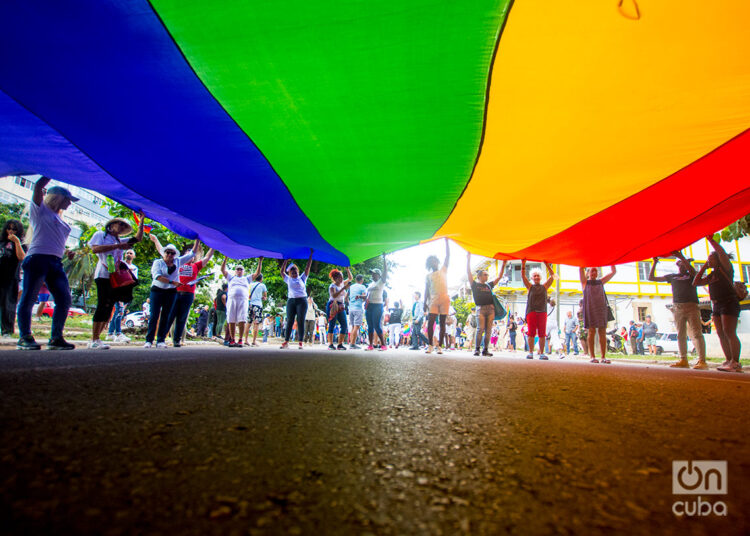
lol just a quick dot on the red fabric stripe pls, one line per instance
(699, 199)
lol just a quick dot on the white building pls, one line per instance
(630, 294)
(90, 209)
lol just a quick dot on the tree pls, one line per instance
(736, 230)
(14, 211)
(463, 308)
(80, 264)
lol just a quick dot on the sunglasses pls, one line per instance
(170, 252)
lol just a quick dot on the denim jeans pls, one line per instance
(340, 318)
(373, 315)
(115, 326)
(39, 268)
(417, 337)
(571, 337)
(179, 313)
(265, 335)
(162, 301)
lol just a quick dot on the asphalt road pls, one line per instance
(211, 440)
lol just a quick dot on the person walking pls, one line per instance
(725, 303)
(12, 253)
(417, 316)
(188, 276)
(310, 315)
(481, 291)
(43, 263)
(595, 309)
(336, 308)
(357, 298)
(685, 309)
(436, 298)
(165, 276)
(536, 307)
(571, 333)
(512, 329)
(296, 303)
(374, 305)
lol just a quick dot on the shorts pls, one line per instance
(726, 308)
(236, 310)
(43, 298)
(256, 314)
(649, 341)
(356, 317)
(536, 322)
(440, 305)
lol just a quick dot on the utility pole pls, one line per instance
(557, 295)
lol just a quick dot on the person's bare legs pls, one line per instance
(242, 331)
(591, 342)
(256, 325)
(730, 343)
(603, 341)
(231, 327)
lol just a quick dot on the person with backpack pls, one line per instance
(481, 291)
(725, 302)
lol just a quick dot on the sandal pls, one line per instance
(605, 361)
(594, 360)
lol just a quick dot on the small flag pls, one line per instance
(146, 227)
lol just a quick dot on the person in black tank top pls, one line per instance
(725, 302)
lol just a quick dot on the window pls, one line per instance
(644, 268)
(24, 183)
(746, 273)
(642, 314)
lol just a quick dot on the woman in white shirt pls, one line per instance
(43, 263)
(238, 292)
(165, 272)
(296, 303)
(336, 309)
(104, 244)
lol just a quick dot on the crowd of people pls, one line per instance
(354, 313)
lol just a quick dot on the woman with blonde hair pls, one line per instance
(536, 307)
(43, 263)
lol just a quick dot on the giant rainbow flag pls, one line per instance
(583, 132)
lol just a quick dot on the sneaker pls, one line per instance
(300, 346)
(122, 338)
(700, 365)
(176, 344)
(563, 356)
(60, 344)
(414, 348)
(341, 347)
(111, 337)
(440, 350)
(476, 353)
(98, 345)
(429, 350)
(28, 343)
(235, 344)
(354, 347)
(543, 357)
(285, 345)
(370, 348)
(530, 356)
(682, 363)
(227, 342)
(161, 344)
(383, 348)
(147, 345)
(331, 347)
(487, 354)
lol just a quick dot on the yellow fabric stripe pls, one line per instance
(588, 107)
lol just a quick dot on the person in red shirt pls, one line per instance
(186, 294)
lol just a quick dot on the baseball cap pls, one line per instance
(172, 247)
(59, 190)
(376, 271)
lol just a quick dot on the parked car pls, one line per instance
(135, 320)
(49, 309)
(667, 343)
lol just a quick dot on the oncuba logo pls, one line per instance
(699, 477)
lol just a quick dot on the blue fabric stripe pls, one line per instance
(109, 103)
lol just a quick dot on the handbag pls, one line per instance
(500, 311)
(122, 277)
(739, 287)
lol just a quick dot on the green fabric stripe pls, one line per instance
(371, 112)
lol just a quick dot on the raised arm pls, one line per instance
(652, 273)
(224, 267)
(726, 264)
(700, 280)
(384, 275)
(469, 275)
(525, 279)
(500, 275)
(551, 277)
(157, 244)
(688, 264)
(258, 269)
(309, 264)
(447, 252)
(38, 196)
(348, 277)
(139, 233)
(18, 248)
(582, 275)
(610, 275)
(208, 256)
(283, 268)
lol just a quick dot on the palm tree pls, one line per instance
(80, 263)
